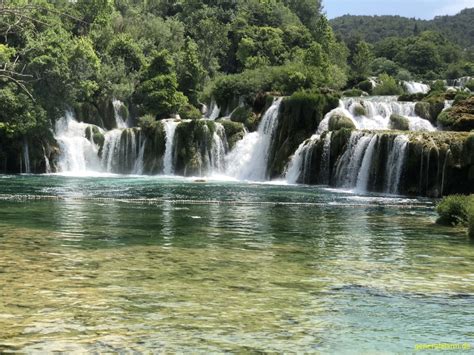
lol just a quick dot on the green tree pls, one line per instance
(157, 93)
(191, 72)
(362, 59)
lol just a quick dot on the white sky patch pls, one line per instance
(453, 7)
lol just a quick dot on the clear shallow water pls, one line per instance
(129, 263)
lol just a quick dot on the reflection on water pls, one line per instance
(117, 264)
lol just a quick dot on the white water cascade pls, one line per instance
(364, 170)
(249, 159)
(412, 87)
(348, 167)
(111, 149)
(170, 129)
(297, 162)
(395, 163)
(373, 113)
(119, 120)
(214, 111)
(219, 149)
(26, 156)
(77, 153)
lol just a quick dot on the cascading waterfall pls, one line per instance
(219, 149)
(77, 153)
(297, 166)
(170, 129)
(249, 159)
(395, 164)
(301, 163)
(26, 156)
(413, 87)
(121, 151)
(365, 168)
(46, 162)
(119, 121)
(348, 167)
(373, 113)
(214, 111)
(110, 151)
(138, 167)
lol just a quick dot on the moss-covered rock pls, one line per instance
(153, 132)
(193, 141)
(359, 110)
(422, 109)
(300, 115)
(399, 123)
(337, 122)
(234, 131)
(95, 136)
(431, 106)
(99, 113)
(245, 115)
(460, 117)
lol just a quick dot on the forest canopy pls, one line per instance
(164, 57)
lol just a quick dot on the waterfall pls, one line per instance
(413, 87)
(348, 167)
(46, 162)
(324, 171)
(170, 129)
(26, 156)
(214, 111)
(365, 168)
(395, 164)
(119, 121)
(249, 159)
(110, 151)
(77, 153)
(218, 149)
(373, 113)
(297, 165)
(139, 163)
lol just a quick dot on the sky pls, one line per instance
(424, 9)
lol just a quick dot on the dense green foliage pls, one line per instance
(457, 210)
(407, 48)
(372, 29)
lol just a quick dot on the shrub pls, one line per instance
(353, 93)
(461, 96)
(189, 112)
(365, 86)
(438, 86)
(146, 122)
(444, 119)
(470, 84)
(455, 210)
(388, 86)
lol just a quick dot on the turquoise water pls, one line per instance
(145, 263)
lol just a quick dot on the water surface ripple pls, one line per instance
(117, 263)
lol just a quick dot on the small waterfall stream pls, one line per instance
(170, 129)
(249, 159)
(26, 156)
(412, 87)
(119, 120)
